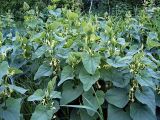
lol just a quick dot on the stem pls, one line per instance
(90, 8)
(100, 108)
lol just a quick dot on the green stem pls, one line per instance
(100, 108)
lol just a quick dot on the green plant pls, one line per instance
(78, 67)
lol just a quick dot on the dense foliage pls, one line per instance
(114, 7)
(80, 67)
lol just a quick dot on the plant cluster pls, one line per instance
(77, 67)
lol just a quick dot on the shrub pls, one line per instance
(78, 67)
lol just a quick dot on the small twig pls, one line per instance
(90, 8)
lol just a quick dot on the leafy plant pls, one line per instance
(78, 66)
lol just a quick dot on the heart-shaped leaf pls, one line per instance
(70, 92)
(146, 96)
(118, 97)
(39, 52)
(94, 100)
(120, 62)
(115, 113)
(42, 113)
(119, 78)
(43, 70)
(18, 89)
(12, 109)
(91, 62)
(87, 79)
(66, 74)
(37, 96)
(141, 112)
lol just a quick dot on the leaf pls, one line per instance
(25, 6)
(118, 97)
(145, 80)
(82, 107)
(152, 35)
(121, 41)
(39, 52)
(58, 38)
(37, 36)
(152, 43)
(3, 69)
(55, 94)
(152, 40)
(119, 61)
(12, 111)
(18, 89)
(87, 79)
(14, 71)
(119, 78)
(51, 85)
(70, 92)
(90, 99)
(141, 112)
(37, 96)
(146, 96)
(115, 113)
(43, 70)
(79, 106)
(42, 113)
(66, 74)
(71, 15)
(91, 62)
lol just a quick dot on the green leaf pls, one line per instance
(43, 70)
(119, 78)
(42, 113)
(71, 15)
(66, 74)
(152, 35)
(91, 62)
(118, 97)
(82, 107)
(146, 96)
(90, 99)
(37, 36)
(37, 96)
(14, 71)
(55, 94)
(58, 38)
(119, 61)
(3, 69)
(70, 92)
(51, 85)
(145, 79)
(39, 52)
(79, 106)
(121, 41)
(18, 89)
(12, 110)
(115, 113)
(25, 6)
(141, 112)
(87, 79)
(152, 40)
